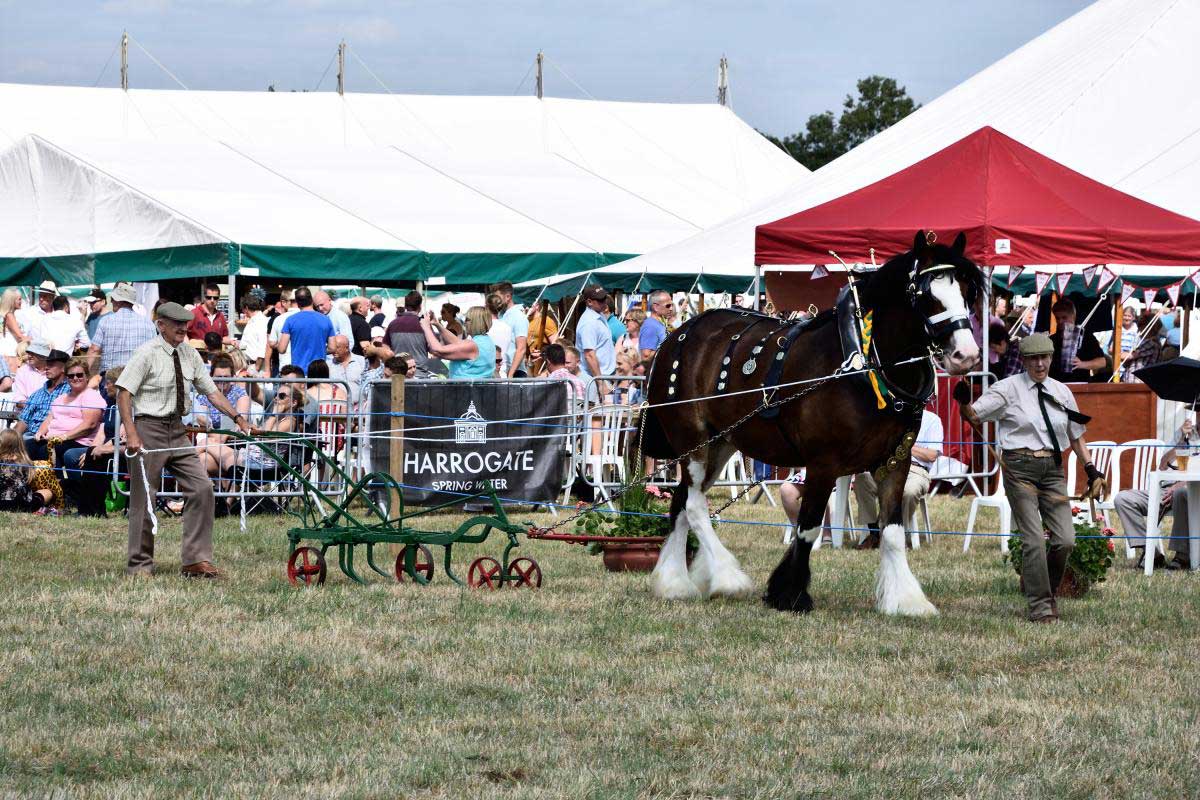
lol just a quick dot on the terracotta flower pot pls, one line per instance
(637, 557)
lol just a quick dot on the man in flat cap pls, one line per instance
(1035, 417)
(154, 393)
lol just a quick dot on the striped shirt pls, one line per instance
(150, 377)
(119, 334)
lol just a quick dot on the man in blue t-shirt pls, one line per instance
(594, 341)
(307, 332)
(654, 329)
(514, 317)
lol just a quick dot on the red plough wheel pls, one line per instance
(484, 573)
(524, 573)
(423, 565)
(306, 567)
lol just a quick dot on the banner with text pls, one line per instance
(456, 439)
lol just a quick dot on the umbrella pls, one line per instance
(1177, 379)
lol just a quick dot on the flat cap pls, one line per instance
(174, 311)
(1037, 344)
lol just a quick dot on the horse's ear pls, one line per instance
(919, 242)
(960, 243)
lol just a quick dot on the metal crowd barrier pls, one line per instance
(336, 425)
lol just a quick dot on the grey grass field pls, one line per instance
(588, 688)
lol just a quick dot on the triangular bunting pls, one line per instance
(819, 271)
(1173, 292)
(1148, 296)
(1106, 277)
(1063, 278)
(1089, 273)
(1127, 291)
(1013, 274)
(1040, 279)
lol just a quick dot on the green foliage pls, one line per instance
(646, 517)
(881, 103)
(1090, 559)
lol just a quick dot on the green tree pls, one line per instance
(881, 103)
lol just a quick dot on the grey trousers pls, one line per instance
(1132, 507)
(194, 483)
(1036, 489)
(866, 495)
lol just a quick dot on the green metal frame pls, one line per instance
(329, 522)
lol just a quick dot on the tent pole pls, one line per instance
(125, 61)
(757, 280)
(538, 80)
(232, 301)
(341, 75)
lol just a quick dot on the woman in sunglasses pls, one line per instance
(75, 418)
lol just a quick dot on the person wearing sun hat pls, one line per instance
(153, 396)
(38, 404)
(120, 333)
(31, 315)
(1036, 418)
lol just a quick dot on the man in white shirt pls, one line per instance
(62, 330)
(254, 335)
(285, 356)
(31, 315)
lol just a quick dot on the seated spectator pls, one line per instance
(623, 389)
(31, 375)
(322, 392)
(475, 357)
(16, 471)
(75, 418)
(87, 469)
(401, 364)
(1133, 504)
(286, 416)
(37, 407)
(925, 452)
(557, 358)
(215, 453)
(212, 346)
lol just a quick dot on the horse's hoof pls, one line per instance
(909, 607)
(730, 583)
(675, 587)
(798, 604)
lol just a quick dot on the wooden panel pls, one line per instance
(1120, 412)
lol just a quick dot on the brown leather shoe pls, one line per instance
(201, 569)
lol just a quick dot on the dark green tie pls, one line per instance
(1042, 397)
(179, 407)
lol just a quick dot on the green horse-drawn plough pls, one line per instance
(358, 517)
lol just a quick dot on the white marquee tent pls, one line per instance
(1108, 92)
(367, 188)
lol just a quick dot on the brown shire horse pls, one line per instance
(920, 303)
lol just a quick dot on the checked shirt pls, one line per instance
(119, 334)
(38, 405)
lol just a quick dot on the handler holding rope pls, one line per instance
(1034, 415)
(154, 395)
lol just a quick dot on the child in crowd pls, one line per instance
(16, 472)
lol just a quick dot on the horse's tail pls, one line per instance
(654, 438)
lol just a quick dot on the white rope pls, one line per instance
(146, 487)
(242, 496)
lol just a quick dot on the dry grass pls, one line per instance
(588, 688)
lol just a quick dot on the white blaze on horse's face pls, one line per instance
(961, 352)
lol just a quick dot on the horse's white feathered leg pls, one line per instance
(896, 588)
(715, 570)
(670, 579)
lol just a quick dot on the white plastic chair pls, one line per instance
(735, 474)
(998, 501)
(1101, 454)
(1146, 455)
(614, 419)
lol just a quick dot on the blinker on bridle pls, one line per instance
(944, 323)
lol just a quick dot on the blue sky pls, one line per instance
(788, 59)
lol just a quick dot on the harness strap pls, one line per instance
(723, 376)
(775, 372)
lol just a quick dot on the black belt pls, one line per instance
(168, 418)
